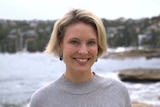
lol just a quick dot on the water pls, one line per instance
(22, 73)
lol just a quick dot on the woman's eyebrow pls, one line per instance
(93, 39)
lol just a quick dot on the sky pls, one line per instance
(54, 9)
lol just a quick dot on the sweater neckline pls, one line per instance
(82, 87)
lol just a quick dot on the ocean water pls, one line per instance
(23, 73)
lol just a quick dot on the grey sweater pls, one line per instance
(98, 92)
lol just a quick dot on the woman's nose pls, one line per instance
(83, 50)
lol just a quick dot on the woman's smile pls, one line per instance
(82, 61)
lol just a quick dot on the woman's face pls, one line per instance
(79, 47)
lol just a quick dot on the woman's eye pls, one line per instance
(91, 42)
(74, 42)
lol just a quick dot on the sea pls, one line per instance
(22, 73)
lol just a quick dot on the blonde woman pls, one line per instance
(78, 39)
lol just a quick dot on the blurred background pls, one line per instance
(133, 38)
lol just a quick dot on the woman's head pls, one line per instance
(72, 17)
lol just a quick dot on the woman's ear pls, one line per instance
(61, 45)
(60, 51)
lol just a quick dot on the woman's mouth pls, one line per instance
(82, 60)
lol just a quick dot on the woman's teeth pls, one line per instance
(82, 60)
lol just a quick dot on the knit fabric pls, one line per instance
(98, 92)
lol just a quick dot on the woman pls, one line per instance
(78, 39)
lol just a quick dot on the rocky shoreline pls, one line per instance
(148, 53)
(138, 75)
(141, 104)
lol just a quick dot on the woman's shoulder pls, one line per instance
(42, 91)
(41, 95)
(112, 83)
(45, 90)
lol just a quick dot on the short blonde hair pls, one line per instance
(72, 17)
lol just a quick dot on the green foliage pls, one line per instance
(32, 46)
(15, 35)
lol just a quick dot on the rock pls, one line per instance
(147, 53)
(140, 104)
(153, 56)
(140, 75)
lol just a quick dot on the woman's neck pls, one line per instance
(78, 76)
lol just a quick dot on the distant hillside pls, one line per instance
(33, 35)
